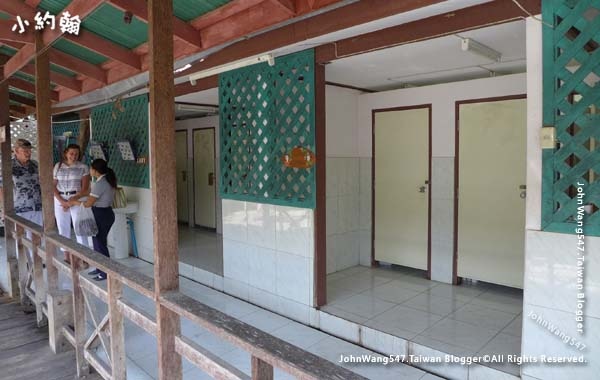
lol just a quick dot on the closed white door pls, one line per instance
(182, 176)
(491, 193)
(401, 187)
(204, 177)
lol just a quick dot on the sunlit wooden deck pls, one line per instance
(24, 350)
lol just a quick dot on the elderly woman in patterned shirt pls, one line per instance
(71, 181)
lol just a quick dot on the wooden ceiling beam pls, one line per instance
(6, 33)
(475, 17)
(341, 18)
(56, 78)
(106, 48)
(181, 29)
(221, 13)
(287, 6)
(21, 99)
(77, 65)
(33, 3)
(26, 86)
(82, 8)
(19, 110)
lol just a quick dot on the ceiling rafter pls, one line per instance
(82, 8)
(56, 78)
(33, 3)
(6, 33)
(26, 86)
(18, 110)
(21, 99)
(286, 5)
(77, 65)
(106, 48)
(181, 29)
(221, 13)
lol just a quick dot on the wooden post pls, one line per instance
(38, 280)
(164, 192)
(320, 280)
(45, 144)
(84, 130)
(261, 370)
(79, 324)
(23, 266)
(60, 314)
(7, 188)
(117, 331)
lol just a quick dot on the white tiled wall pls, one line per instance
(343, 213)
(268, 255)
(550, 283)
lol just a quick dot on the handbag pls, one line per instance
(119, 199)
(85, 225)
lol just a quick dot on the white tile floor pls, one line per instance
(460, 320)
(201, 249)
(141, 347)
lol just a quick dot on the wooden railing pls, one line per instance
(65, 313)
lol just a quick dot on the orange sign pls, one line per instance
(299, 157)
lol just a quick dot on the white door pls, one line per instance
(204, 177)
(491, 203)
(401, 187)
(182, 176)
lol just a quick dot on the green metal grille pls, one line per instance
(571, 105)
(265, 112)
(129, 121)
(63, 134)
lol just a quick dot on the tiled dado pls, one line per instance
(269, 249)
(538, 341)
(551, 272)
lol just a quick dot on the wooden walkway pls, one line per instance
(24, 350)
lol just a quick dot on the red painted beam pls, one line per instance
(77, 65)
(181, 29)
(221, 13)
(26, 86)
(6, 33)
(56, 78)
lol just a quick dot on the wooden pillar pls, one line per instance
(60, 314)
(117, 330)
(320, 281)
(79, 324)
(45, 144)
(7, 189)
(38, 280)
(261, 370)
(84, 130)
(163, 185)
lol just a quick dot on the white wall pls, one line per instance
(551, 260)
(189, 125)
(343, 190)
(268, 256)
(443, 98)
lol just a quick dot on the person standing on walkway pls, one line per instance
(101, 199)
(71, 180)
(26, 183)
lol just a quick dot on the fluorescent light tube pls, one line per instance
(196, 108)
(469, 44)
(231, 66)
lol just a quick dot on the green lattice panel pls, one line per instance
(572, 106)
(265, 112)
(61, 139)
(129, 121)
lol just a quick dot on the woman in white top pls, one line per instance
(71, 180)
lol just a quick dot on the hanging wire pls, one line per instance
(531, 15)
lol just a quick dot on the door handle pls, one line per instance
(184, 175)
(211, 179)
(523, 193)
(422, 189)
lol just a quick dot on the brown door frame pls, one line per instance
(194, 172)
(455, 279)
(405, 108)
(186, 158)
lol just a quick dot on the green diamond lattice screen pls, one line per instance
(265, 112)
(124, 120)
(571, 104)
(63, 134)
